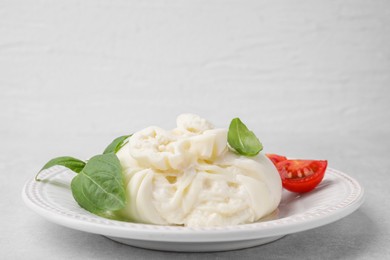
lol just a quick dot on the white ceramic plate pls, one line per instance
(337, 196)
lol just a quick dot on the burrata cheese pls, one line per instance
(188, 176)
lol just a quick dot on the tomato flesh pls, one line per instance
(300, 175)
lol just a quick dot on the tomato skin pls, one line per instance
(275, 158)
(299, 175)
(292, 173)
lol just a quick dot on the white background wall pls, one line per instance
(79, 70)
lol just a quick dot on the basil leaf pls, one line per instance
(116, 144)
(99, 187)
(241, 139)
(71, 163)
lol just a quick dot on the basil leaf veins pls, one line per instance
(99, 187)
(241, 139)
(116, 144)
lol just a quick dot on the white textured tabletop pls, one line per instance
(311, 78)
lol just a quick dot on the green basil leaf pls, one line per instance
(99, 187)
(71, 163)
(241, 139)
(116, 144)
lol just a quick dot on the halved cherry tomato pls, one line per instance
(275, 158)
(300, 175)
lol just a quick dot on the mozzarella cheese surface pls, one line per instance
(188, 176)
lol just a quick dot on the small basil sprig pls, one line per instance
(117, 144)
(241, 139)
(99, 184)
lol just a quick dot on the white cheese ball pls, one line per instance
(189, 177)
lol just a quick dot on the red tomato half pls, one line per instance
(301, 175)
(276, 158)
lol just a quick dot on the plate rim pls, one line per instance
(149, 232)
